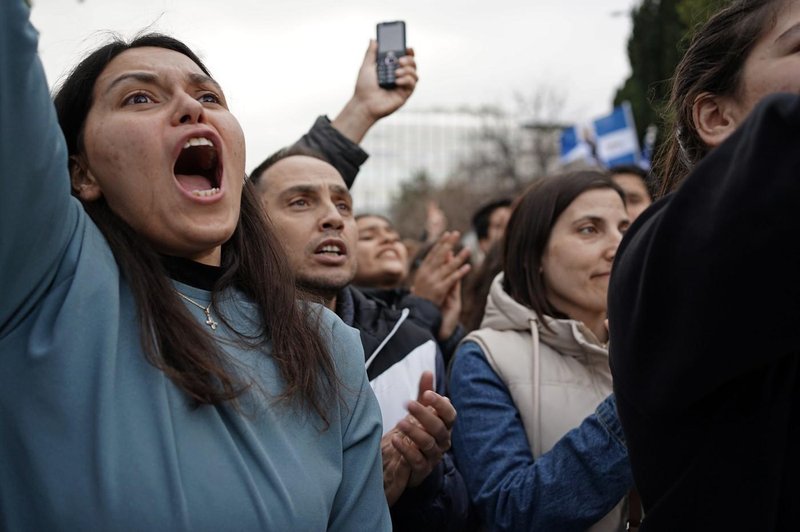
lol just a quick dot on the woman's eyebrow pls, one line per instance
(144, 77)
(149, 77)
(201, 79)
(589, 218)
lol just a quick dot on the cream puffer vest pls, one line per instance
(556, 377)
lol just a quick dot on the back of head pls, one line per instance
(477, 285)
(480, 220)
(628, 169)
(713, 63)
(528, 233)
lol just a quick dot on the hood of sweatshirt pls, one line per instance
(567, 337)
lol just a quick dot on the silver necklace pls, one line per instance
(209, 320)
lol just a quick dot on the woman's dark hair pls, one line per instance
(373, 215)
(713, 63)
(477, 286)
(252, 261)
(480, 219)
(528, 232)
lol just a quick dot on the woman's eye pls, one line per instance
(138, 98)
(209, 98)
(588, 230)
(299, 203)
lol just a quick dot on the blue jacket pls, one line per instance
(568, 488)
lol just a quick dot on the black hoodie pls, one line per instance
(704, 306)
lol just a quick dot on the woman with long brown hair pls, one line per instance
(703, 303)
(537, 440)
(158, 371)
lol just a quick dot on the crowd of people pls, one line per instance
(188, 346)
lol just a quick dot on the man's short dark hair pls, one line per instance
(628, 169)
(284, 153)
(480, 220)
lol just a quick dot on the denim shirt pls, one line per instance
(570, 487)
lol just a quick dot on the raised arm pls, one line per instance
(338, 140)
(37, 214)
(370, 102)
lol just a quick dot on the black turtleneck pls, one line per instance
(192, 273)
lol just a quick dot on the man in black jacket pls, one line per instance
(311, 211)
(305, 192)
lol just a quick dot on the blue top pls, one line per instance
(92, 437)
(569, 487)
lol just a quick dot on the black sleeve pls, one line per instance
(706, 287)
(427, 315)
(705, 348)
(345, 155)
(440, 503)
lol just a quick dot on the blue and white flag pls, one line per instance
(648, 146)
(574, 146)
(616, 139)
(609, 140)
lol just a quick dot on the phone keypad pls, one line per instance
(386, 68)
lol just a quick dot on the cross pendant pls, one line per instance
(210, 321)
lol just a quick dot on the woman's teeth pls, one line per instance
(197, 141)
(205, 193)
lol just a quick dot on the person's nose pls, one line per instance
(614, 239)
(188, 110)
(331, 218)
(387, 237)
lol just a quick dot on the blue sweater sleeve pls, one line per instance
(360, 503)
(570, 487)
(37, 214)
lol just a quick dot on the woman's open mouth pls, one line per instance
(197, 167)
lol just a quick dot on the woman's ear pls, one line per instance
(84, 185)
(714, 118)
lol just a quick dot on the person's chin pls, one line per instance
(326, 283)
(392, 277)
(392, 267)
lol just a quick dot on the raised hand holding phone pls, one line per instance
(391, 47)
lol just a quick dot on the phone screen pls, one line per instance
(391, 37)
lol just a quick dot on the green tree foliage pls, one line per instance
(654, 48)
(693, 13)
(661, 32)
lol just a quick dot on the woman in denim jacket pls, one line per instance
(526, 381)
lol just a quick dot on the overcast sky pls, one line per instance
(283, 62)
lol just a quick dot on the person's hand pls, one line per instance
(435, 221)
(426, 431)
(370, 102)
(441, 270)
(396, 471)
(451, 311)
